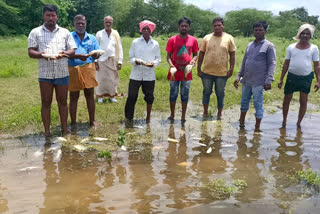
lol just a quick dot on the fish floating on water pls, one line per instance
(124, 148)
(62, 139)
(209, 150)
(173, 140)
(100, 138)
(80, 148)
(29, 168)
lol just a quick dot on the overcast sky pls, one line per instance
(223, 6)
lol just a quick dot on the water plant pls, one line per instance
(121, 138)
(105, 154)
(219, 189)
(309, 177)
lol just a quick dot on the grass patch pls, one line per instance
(219, 189)
(308, 178)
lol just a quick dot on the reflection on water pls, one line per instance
(166, 172)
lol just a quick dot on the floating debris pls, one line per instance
(124, 148)
(93, 143)
(197, 138)
(84, 140)
(173, 140)
(62, 139)
(100, 138)
(29, 168)
(184, 164)
(209, 150)
(138, 127)
(38, 153)
(157, 147)
(80, 148)
(201, 144)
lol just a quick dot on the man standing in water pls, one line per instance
(144, 56)
(110, 62)
(298, 62)
(215, 48)
(181, 50)
(51, 44)
(256, 73)
(82, 70)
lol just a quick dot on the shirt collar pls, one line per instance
(46, 29)
(150, 40)
(261, 42)
(85, 35)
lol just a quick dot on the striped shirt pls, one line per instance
(60, 39)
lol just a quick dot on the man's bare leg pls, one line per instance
(89, 95)
(149, 108)
(61, 97)
(303, 108)
(172, 109)
(184, 110)
(285, 108)
(242, 118)
(74, 97)
(205, 110)
(257, 126)
(46, 91)
(219, 114)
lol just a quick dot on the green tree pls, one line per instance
(239, 23)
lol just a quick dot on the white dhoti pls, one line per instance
(108, 78)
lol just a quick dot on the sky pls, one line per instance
(223, 6)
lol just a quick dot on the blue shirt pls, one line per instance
(88, 44)
(258, 64)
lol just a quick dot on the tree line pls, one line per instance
(20, 16)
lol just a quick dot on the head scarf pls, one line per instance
(311, 28)
(147, 23)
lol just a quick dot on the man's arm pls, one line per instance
(284, 71)
(34, 53)
(316, 67)
(200, 60)
(169, 56)
(194, 59)
(232, 62)
(241, 72)
(271, 63)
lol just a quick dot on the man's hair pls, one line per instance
(218, 19)
(263, 24)
(184, 19)
(50, 8)
(79, 16)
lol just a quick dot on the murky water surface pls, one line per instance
(166, 170)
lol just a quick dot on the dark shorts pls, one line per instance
(57, 81)
(298, 83)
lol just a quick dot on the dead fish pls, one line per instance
(173, 70)
(124, 148)
(53, 56)
(201, 144)
(93, 143)
(228, 145)
(54, 147)
(187, 70)
(184, 164)
(209, 150)
(173, 140)
(29, 168)
(58, 155)
(197, 138)
(100, 138)
(79, 148)
(138, 127)
(62, 139)
(84, 140)
(157, 147)
(97, 53)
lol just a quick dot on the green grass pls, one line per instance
(20, 95)
(219, 189)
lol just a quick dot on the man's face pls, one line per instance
(305, 35)
(218, 27)
(108, 23)
(146, 32)
(259, 32)
(80, 25)
(184, 28)
(50, 18)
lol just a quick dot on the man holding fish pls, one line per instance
(182, 52)
(82, 69)
(50, 44)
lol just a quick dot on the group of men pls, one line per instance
(217, 53)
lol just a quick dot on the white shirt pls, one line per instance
(148, 52)
(108, 44)
(52, 42)
(301, 60)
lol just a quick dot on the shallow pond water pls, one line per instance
(165, 169)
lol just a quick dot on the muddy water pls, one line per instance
(165, 170)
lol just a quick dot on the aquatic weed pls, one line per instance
(121, 138)
(105, 154)
(219, 189)
(309, 177)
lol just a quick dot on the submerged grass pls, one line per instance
(219, 189)
(20, 95)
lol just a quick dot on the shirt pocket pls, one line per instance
(261, 56)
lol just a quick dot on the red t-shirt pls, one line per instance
(182, 50)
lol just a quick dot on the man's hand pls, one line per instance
(61, 55)
(82, 57)
(97, 66)
(119, 67)
(199, 72)
(229, 73)
(317, 86)
(192, 62)
(267, 87)
(236, 83)
(137, 62)
(280, 84)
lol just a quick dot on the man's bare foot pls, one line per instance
(298, 126)
(147, 120)
(47, 134)
(241, 124)
(171, 118)
(219, 116)
(284, 124)
(65, 132)
(205, 114)
(94, 124)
